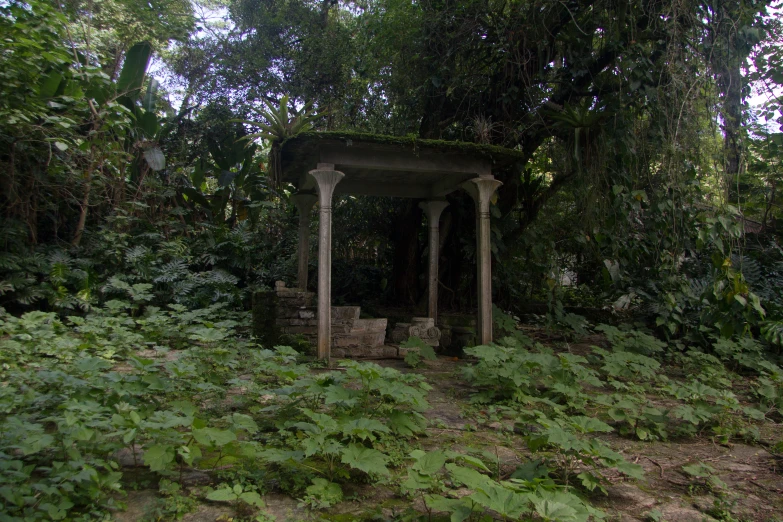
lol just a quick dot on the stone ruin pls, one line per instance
(293, 312)
(422, 327)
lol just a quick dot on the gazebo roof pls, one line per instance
(378, 165)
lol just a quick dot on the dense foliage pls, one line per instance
(141, 207)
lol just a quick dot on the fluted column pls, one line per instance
(481, 190)
(304, 205)
(326, 179)
(433, 210)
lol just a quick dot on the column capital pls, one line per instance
(304, 202)
(433, 209)
(481, 190)
(326, 180)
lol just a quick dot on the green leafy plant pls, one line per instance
(708, 407)
(173, 504)
(322, 494)
(236, 493)
(637, 416)
(435, 475)
(343, 423)
(506, 325)
(571, 451)
(627, 366)
(510, 371)
(417, 351)
(632, 341)
(703, 476)
(89, 396)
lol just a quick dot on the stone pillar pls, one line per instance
(433, 209)
(304, 205)
(481, 190)
(326, 179)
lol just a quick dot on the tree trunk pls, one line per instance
(768, 206)
(77, 237)
(85, 205)
(727, 55)
(732, 119)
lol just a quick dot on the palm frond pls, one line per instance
(279, 123)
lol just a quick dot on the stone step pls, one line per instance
(369, 325)
(358, 340)
(345, 314)
(358, 353)
(423, 322)
(344, 319)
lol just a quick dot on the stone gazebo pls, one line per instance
(321, 165)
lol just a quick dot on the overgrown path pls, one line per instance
(753, 477)
(740, 481)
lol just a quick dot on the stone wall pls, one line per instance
(294, 312)
(422, 327)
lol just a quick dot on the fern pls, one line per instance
(155, 236)
(172, 271)
(60, 268)
(773, 331)
(175, 248)
(117, 284)
(751, 269)
(183, 288)
(699, 286)
(210, 258)
(136, 254)
(221, 277)
(5, 287)
(29, 295)
(9, 262)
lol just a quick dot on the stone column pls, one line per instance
(326, 179)
(481, 190)
(433, 209)
(304, 205)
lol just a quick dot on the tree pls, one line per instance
(72, 99)
(522, 74)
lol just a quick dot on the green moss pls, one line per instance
(498, 154)
(458, 320)
(340, 517)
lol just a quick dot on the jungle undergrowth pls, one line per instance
(174, 390)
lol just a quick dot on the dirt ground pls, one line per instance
(754, 477)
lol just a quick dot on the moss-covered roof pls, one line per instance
(499, 155)
(381, 165)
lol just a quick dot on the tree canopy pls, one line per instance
(630, 120)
